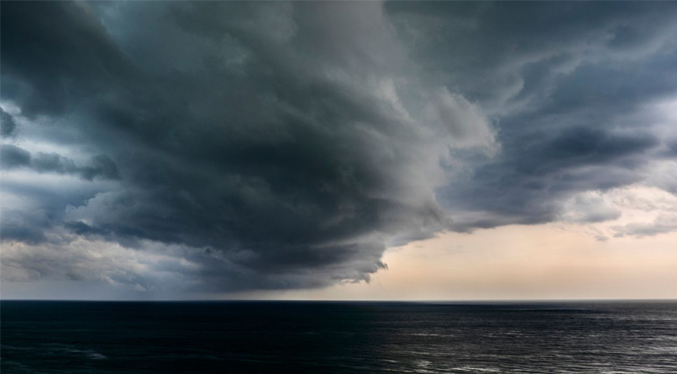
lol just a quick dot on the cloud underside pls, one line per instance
(237, 146)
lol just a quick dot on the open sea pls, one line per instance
(337, 337)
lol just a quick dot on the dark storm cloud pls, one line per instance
(579, 147)
(297, 178)
(82, 58)
(25, 227)
(285, 145)
(527, 185)
(8, 126)
(564, 80)
(509, 52)
(14, 157)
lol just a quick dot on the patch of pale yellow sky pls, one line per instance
(549, 261)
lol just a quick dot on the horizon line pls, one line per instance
(447, 301)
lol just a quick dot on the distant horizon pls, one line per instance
(353, 300)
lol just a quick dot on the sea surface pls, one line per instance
(337, 337)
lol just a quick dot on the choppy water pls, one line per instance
(304, 337)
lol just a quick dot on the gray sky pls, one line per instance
(157, 150)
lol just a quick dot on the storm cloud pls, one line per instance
(16, 158)
(8, 126)
(228, 146)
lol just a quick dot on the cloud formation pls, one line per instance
(14, 157)
(237, 146)
(8, 126)
(664, 223)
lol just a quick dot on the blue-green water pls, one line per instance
(329, 337)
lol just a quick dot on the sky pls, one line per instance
(338, 150)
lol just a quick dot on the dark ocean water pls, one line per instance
(328, 337)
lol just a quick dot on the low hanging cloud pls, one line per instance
(14, 157)
(663, 224)
(7, 124)
(589, 207)
(241, 146)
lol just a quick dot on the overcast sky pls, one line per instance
(397, 150)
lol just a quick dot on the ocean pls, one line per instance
(337, 337)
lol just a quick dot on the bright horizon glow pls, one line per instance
(554, 261)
